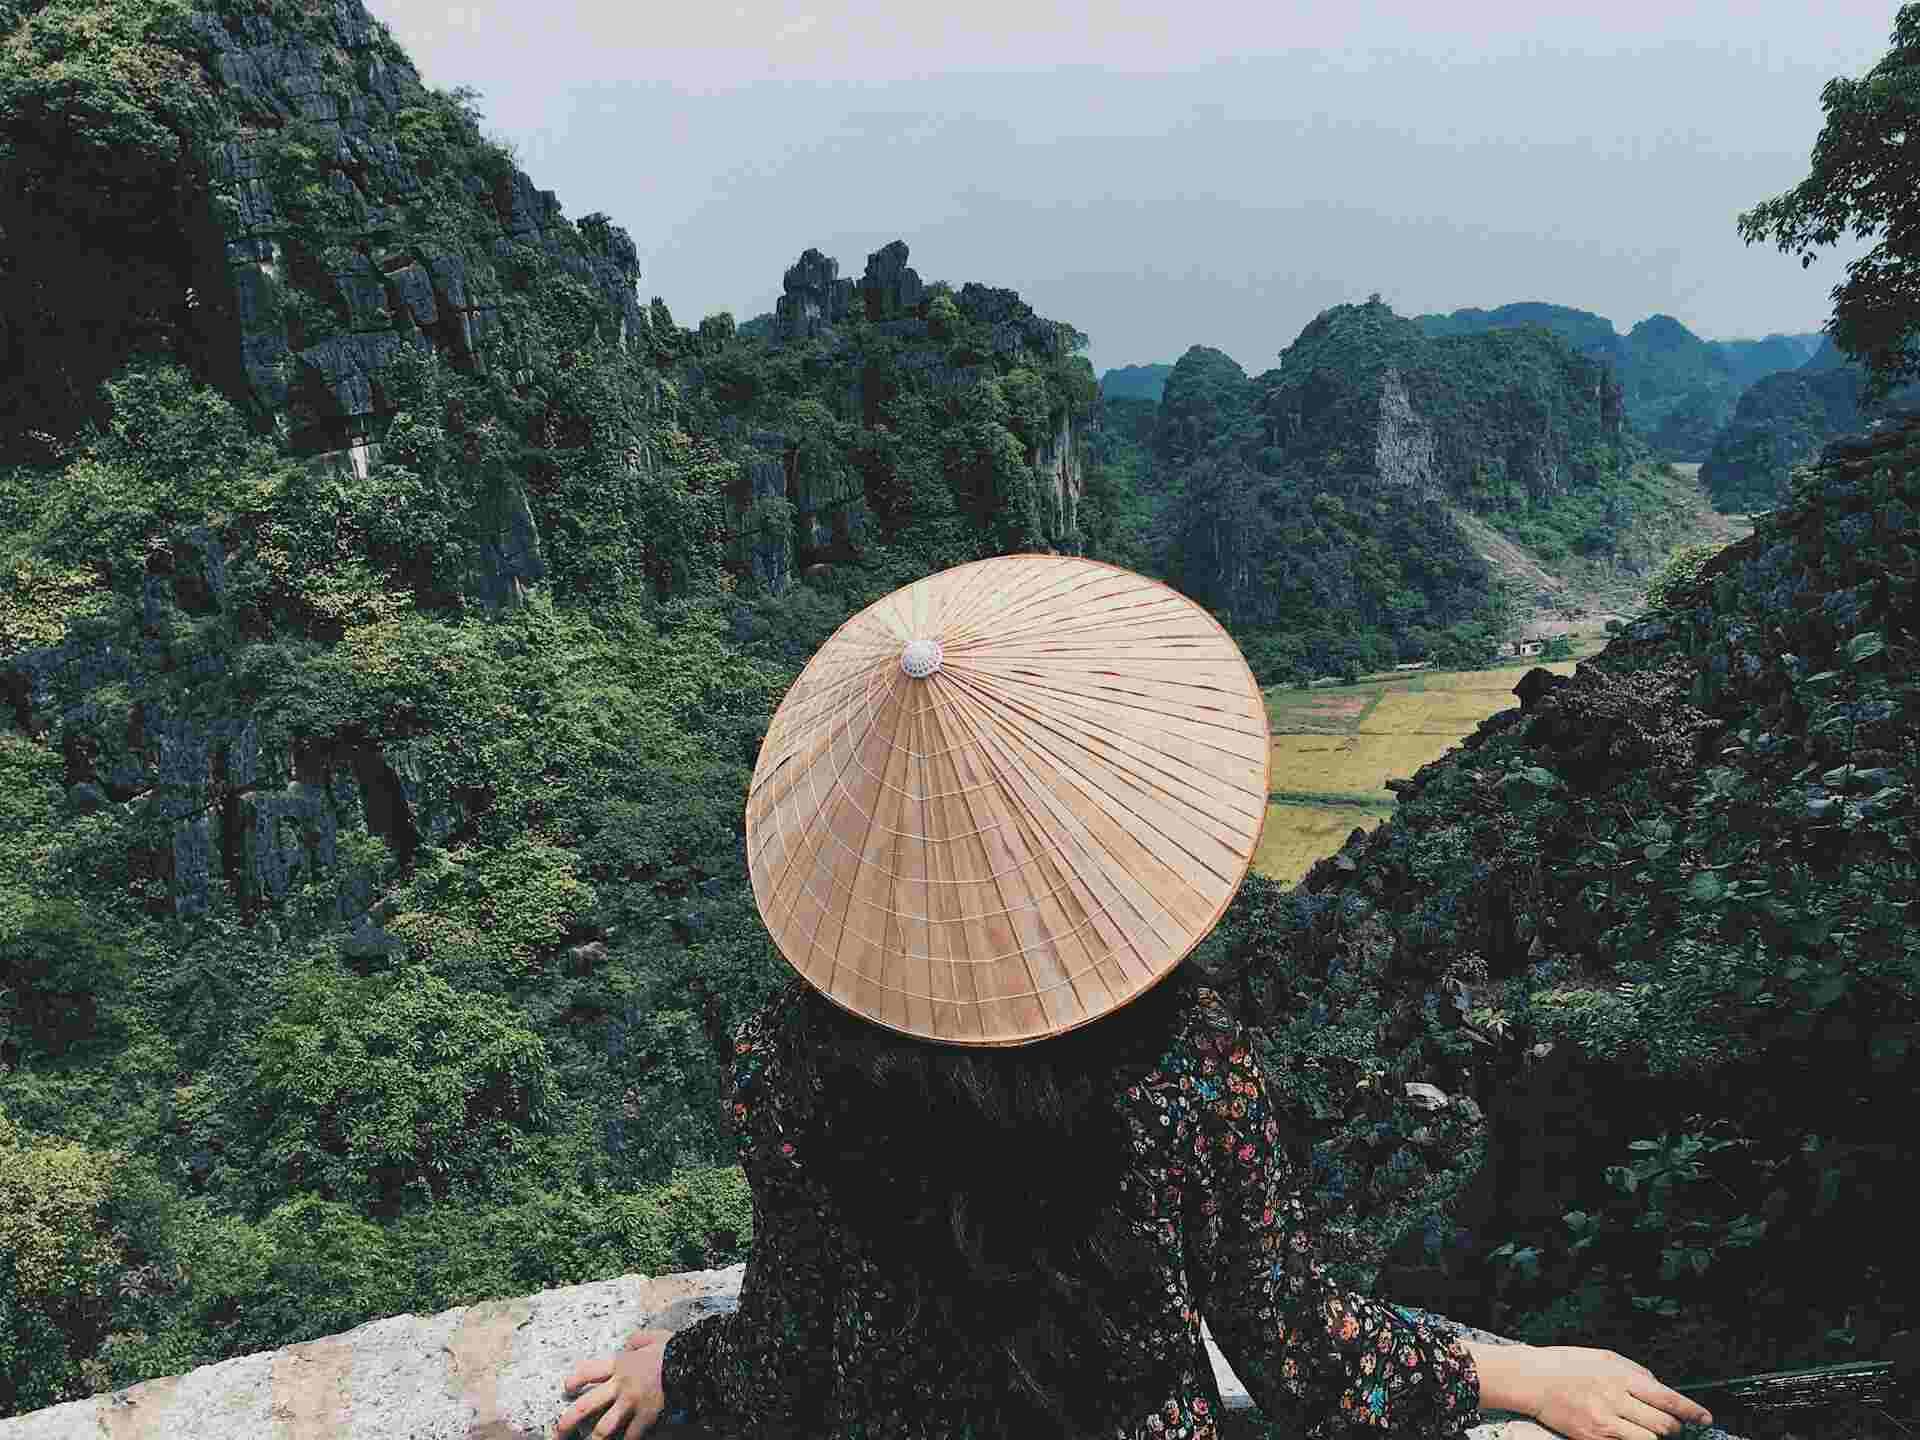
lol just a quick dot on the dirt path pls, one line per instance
(1582, 602)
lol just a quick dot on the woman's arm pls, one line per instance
(1508, 1376)
(1312, 1355)
(689, 1363)
(764, 1359)
(1580, 1393)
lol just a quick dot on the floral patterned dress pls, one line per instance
(822, 1346)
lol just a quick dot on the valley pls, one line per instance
(1335, 749)
(1577, 597)
(394, 605)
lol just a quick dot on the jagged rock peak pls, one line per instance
(816, 298)
(298, 215)
(890, 287)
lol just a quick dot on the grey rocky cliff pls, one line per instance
(393, 291)
(221, 796)
(815, 298)
(1403, 452)
(218, 796)
(388, 282)
(1061, 462)
(489, 1371)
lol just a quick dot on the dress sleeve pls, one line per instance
(1315, 1358)
(760, 1358)
(688, 1367)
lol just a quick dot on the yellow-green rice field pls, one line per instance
(1335, 749)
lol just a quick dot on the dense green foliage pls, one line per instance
(1626, 523)
(1676, 577)
(1679, 389)
(1135, 382)
(1865, 178)
(444, 1018)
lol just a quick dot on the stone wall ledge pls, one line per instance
(490, 1371)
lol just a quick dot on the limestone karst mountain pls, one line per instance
(391, 607)
(1783, 420)
(1678, 389)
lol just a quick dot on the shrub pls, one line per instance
(57, 961)
(57, 1262)
(369, 1091)
(1680, 571)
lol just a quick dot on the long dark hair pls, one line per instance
(986, 1182)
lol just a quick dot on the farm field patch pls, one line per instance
(1299, 835)
(1320, 712)
(1334, 751)
(1441, 713)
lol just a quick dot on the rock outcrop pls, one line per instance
(388, 289)
(829, 504)
(491, 1371)
(816, 298)
(1473, 417)
(1403, 451)
(222, 795)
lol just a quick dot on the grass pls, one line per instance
(1345, 764)
(1298, 835)
(1334, 751)
(1445, 713)
(1364, 799)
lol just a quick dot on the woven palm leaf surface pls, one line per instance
(1008, 798)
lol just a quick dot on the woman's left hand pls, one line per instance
(626, 1385)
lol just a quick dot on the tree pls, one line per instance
(1866, 175)
(58, 1258)
(374, 1090)
(943, 316)
(717, 329)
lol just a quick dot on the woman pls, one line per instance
(1005, 1148)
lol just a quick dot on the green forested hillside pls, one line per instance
(1134, 382)
(1780, 422)
(1312, 505)
(1784, 419)
(392, 607)
(1679, 389)
(1589, 334)
(390, 610)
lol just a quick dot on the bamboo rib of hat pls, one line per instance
(1008, 799)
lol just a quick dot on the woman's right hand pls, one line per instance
(1599, 1395)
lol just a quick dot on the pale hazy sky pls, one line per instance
(1163, 175)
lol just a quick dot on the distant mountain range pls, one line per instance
(1135, 382)
(1680, 389)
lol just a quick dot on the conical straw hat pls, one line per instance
(1008, 799)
